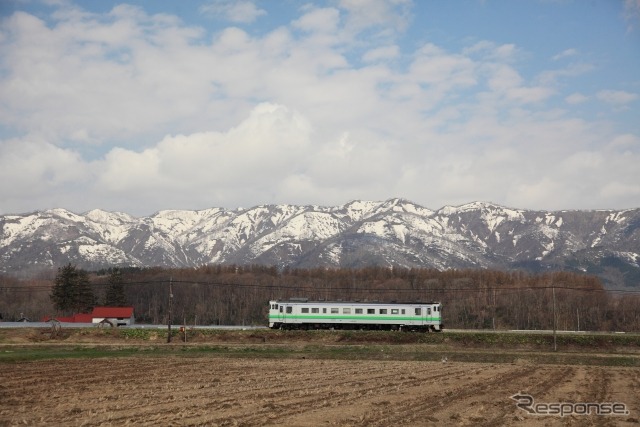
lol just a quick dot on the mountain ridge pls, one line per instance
(395, 232)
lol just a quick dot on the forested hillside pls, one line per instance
(234, 295)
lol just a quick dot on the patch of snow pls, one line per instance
(373, 227)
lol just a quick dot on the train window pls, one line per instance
(305, 309)
(371, 311)
(383, 311)
(289, 310)
(324, 310)
(402, 311)
(428, 310)
(281, 309)
(334, 310)
(358, 311)
(394, 311)
(315, 310)
(418, 311)
(346, 311)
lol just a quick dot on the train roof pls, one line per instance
(308, 301)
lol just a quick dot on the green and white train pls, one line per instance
(304, 314)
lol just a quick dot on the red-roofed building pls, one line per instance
(82, 318)
(76, 318)
(118, 316)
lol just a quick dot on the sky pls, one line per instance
(143, 106)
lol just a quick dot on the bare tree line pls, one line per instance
(238, 295)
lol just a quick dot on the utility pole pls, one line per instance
(170, 309)
(494, 309)
(553, 290)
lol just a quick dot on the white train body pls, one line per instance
(302, 314)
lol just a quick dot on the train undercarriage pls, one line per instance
(352, 327)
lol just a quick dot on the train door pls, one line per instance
(284, 310)
(281, 313)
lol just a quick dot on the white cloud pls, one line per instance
(77, 78)
(389, 16)
(381, 53)
(551, 77)
(632, 13)
(238, 11)
(34, 172)
(262, 150)
(507, 82)
(325, 20)
(616, 97)
(137, 112)
(565, 54)
(576, 98)
(491, 51)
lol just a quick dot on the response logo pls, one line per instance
(527, 403)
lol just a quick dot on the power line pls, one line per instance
(278, 287)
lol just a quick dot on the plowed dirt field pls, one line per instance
(243, 391)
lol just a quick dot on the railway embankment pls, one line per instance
(482, 344)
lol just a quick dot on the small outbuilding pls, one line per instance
(76, 318)
(115, 316)
(118, 316)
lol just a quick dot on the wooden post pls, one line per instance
(170, 309)
(553, 290)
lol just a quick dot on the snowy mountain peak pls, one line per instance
(395, 232)
(105, 217)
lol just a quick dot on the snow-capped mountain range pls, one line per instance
(395, 232)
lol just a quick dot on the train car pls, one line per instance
(304, 314)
